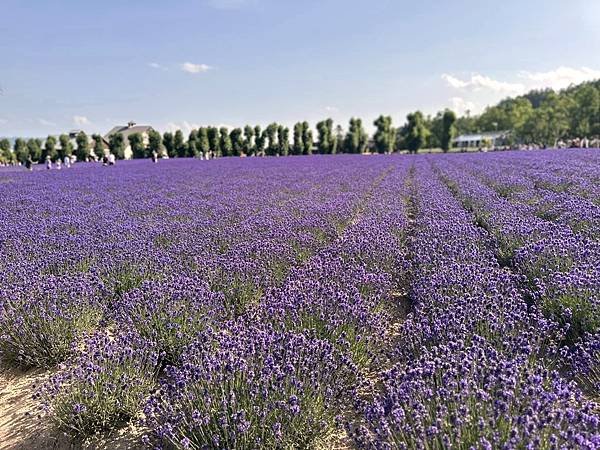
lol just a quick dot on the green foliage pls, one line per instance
(327, 140)
(271, 134)
(203, 144)
(98, 145)
(154, 142)
(225, 142)
(307, 138)
(136, 141)
(259, 141)
(214, 141)
(34, 149)
(116, 143)
(83, 146)
(415, 132)
(237, 141)
(179, 144)
(385, 135)
(248, 140)
(283, 140)
(20, 150)
(298, 145)
(448, 129)
(191, 147)
(6, 154)
(169, 143)
(49, 149)
(356, 139)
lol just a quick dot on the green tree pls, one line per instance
(225, 142)
(416, 132)
(385, 135)
(259, 141)
(169, 143)
(192, 144)
(237, 141)
(271, 133)
(283, 140)
(179, 144)
(34, 149)
(307, 138)
(214, 141)
(154, 143)
(248, 139)
(20, 150)
(49, 148)
(138, 149)
(356, 139)
(6, 154)
(66, 147)
(203, 142)
(83, 147)
(448, 129)
(326, 143)
(298, 144)
(116, 144)
(98, 146)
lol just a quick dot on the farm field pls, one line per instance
(328, 302)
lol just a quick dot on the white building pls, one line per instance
(487, 139)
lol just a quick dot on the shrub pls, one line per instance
(41, 321)
(104, 386)
(251, 388)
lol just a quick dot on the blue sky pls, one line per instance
(183, 63)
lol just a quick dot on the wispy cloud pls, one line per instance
(81, 121)
(195, 68)
(561, 77)
(46, 123)
(332, 109)
(3, 121)
(479, 82)
(158, 66)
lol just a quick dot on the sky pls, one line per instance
(82, 64)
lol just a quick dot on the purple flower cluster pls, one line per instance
(383, 302)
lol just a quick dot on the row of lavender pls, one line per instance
(472, 369)
(233, 313)
(258, 304)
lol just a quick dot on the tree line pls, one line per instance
(273, 140)
(540, 116)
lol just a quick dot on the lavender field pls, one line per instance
(331, 302)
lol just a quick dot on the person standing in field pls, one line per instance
(67, 162)
(29, 163)
(154, 157)
(48, 162)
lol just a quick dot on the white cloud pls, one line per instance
(158, 66)
(460, 106)
(195, 68)
(561, 77)
(479, 82)
(3, 121)
(81, 121)
(331, 109)
(46, 123)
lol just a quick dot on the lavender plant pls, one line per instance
(251, 387)
(104, 385)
